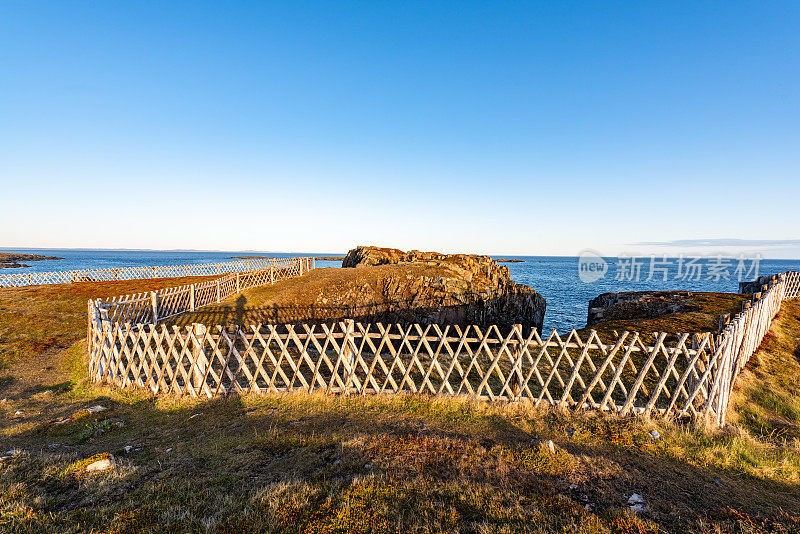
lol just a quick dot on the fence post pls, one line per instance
(200, 362)
(272, 274)
(516, 381)
(154, 303)
(724, 319)
(237, 282)
(348, 354)
(218, 294)
(106, 327)
(300, 266)
(191, 298)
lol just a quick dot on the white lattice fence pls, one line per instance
(155, 306)
(686, 375)
(364, 359)
(137, 273)
(792, 290)
(743, 335)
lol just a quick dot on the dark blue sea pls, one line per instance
(556, 278)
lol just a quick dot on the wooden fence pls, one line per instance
(691, 375)
(354, 358)
(154, 306)
(742, 335)
(137, 273)
(792, 290)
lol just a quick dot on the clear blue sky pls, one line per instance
(519, 127)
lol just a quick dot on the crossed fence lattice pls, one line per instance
(138, 273)
(155, 306)
(691, 375)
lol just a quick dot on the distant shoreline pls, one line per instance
(509, 260)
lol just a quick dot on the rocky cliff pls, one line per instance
(756, 285)
(467, 289)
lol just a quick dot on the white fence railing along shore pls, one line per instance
(139, 273)
(153, 306)
(690, 375)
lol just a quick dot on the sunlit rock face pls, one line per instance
(429, 287)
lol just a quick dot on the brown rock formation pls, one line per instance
(470, 289)
(627, 305)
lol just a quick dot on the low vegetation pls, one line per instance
(311, 463)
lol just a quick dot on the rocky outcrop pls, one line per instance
(366, 256)
(756, 285)
(10, 260)
(468, 265)
(628, 305)
(466, 289)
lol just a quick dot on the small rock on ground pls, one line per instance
(635, 499)
(100, 465)
(636, 503)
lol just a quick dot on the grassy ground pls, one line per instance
(309, 463)
(767, 400)
(49, 319)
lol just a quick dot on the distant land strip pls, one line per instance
(509, 260)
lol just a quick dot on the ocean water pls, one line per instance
(75, 259)
(558, 281)
(556, 278)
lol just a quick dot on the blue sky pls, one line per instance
(494, 127)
